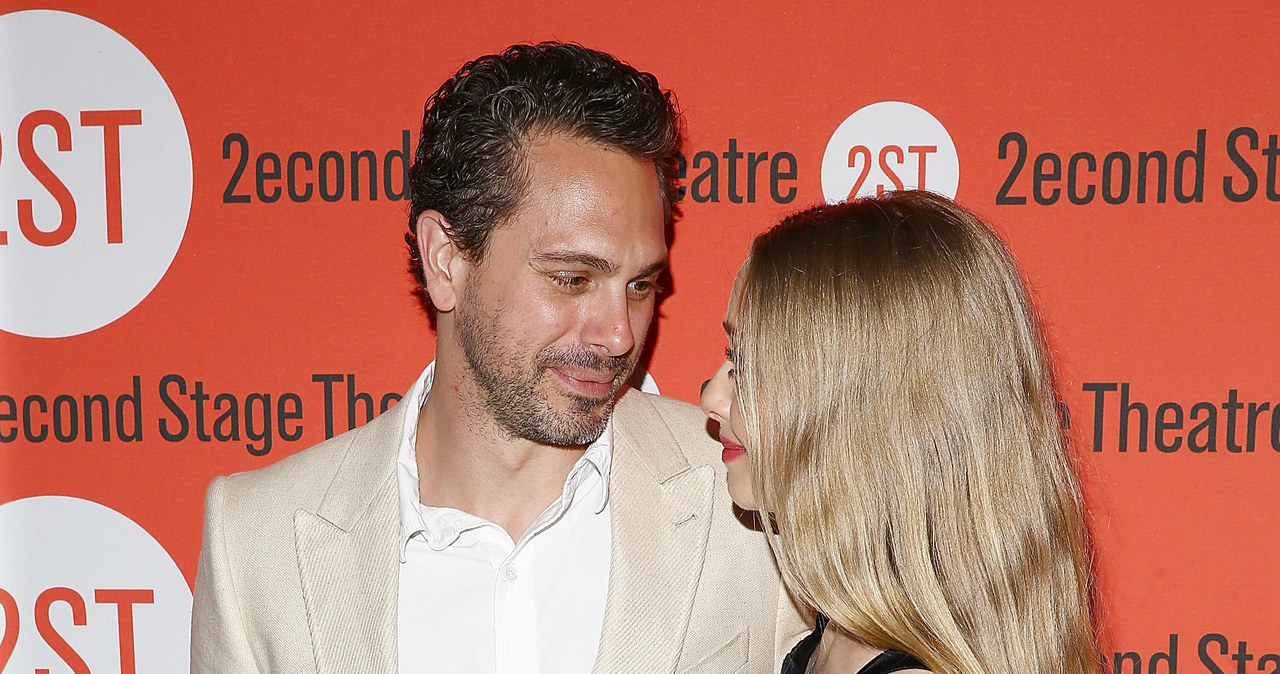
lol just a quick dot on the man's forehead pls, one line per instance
(609, 247)
(589, 202)
(592, 230)
(592, 202)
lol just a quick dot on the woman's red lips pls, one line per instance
(732, 451)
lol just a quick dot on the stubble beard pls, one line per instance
(512, 393)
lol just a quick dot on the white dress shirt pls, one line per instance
(472, 600)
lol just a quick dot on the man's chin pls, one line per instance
(596, 409)
(582, 420)
(574, 431)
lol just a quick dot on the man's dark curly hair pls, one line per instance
(470, 161)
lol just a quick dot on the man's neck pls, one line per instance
(466, 461)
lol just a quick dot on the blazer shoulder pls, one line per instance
(646, 415)
(300, 472)
(303, 479)
(672, 409)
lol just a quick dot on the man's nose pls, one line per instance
(609, 328)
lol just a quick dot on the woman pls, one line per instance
(886, 397)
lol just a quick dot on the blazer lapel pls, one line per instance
(661, 515)
(348, 557)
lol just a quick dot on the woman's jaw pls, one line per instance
(738, 467)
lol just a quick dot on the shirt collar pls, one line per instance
(441, 527)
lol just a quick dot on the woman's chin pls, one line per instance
(740, 491)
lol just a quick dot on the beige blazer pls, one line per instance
(300, 560)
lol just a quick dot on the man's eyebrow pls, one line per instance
(571, 257)
(653, 268)
(593, 261)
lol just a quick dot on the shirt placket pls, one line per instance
(515, 611)
(518, 644)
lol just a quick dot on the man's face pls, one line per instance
(553, 319)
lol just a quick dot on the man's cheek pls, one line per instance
(548, 315)
(640, 328)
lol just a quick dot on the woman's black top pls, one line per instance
(889, 661)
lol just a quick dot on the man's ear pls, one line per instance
(442, 262)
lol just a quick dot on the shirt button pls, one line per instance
(509, 574)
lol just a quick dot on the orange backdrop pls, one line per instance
(1160, 302)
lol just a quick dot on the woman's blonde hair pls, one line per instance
(901, 410)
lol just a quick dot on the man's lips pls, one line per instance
(593, 383)
(732, 451)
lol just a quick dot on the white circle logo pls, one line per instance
(889, 146)
(82, 586)
(95, 175)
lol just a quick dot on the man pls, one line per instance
(515, 512)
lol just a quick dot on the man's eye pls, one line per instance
(640, 290)
(570, 282)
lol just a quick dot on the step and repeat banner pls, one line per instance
(202, 267)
